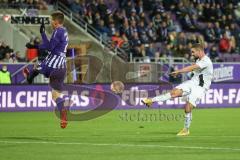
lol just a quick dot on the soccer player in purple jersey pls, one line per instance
(54, 65)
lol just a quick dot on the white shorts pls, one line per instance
(192, 93)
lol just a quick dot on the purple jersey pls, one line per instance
(54, 65)
(58, 42)
(57, 47)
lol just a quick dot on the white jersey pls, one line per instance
(203, 76)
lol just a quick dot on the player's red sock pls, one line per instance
(26, 72)
(63, 112)
(30, 76)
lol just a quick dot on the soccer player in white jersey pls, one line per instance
(193, 89)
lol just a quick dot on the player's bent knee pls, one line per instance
(55, 94)
(188, 107)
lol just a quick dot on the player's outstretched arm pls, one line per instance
(185, 69)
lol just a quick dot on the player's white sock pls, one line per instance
(188, 120)
(162, 97)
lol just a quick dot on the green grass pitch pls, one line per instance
(215, 134)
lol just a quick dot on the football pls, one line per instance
(117, 87)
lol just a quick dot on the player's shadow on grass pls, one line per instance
(166, 133)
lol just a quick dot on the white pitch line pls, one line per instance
(122, 145)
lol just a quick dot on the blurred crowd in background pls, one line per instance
(29, 4)
(9, 55)
(157, 28)
(162, 28)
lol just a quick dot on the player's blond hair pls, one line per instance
(59, 16)
(198, 46)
